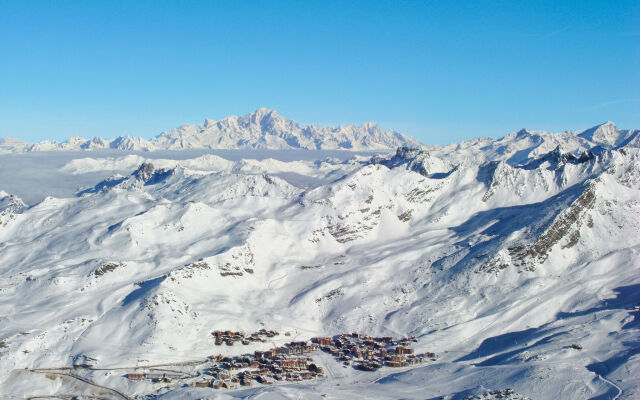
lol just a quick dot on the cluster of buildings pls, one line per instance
(292, 362)
(369, 353)
(230, 337)
(287, 363)
(156, 377)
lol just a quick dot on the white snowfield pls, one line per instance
(515, 260)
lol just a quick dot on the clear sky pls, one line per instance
(440, 71)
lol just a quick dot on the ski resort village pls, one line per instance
(292, 362)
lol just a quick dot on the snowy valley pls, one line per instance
(516, 261)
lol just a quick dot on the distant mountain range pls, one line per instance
(261, 129)
(266, 129)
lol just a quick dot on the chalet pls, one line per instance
(288, 363)
(404, 350)
(414, 361)
(324, 341)
(203, 384)
(393, 364)
(297, 348)
(135, 377)
(228, 385)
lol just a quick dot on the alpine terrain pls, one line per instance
(494, 268)
(261, 129)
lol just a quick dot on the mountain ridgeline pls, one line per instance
(515, 260)
(261, 129)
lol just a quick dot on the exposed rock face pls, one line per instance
(144, 172)
(564, 228)
(10, 206)
(415, 159)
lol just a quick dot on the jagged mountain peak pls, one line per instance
(415, 159)
(144, 172)
(524, 132)
(264, 128)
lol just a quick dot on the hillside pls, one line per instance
(515, 260)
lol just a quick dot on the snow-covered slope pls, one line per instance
(499, 263)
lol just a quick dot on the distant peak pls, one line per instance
(523, 132)
(604, 125)
(602, 133)
(370, 125)
(264, 112)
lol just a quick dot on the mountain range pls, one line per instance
(261, 129)
(515, 260)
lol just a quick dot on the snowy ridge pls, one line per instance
(499, 263)
(525, 145)
(266, 129)
(261, 129)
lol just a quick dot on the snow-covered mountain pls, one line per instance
(261, 129)
(515, 260)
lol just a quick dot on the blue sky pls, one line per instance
(440, 71)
